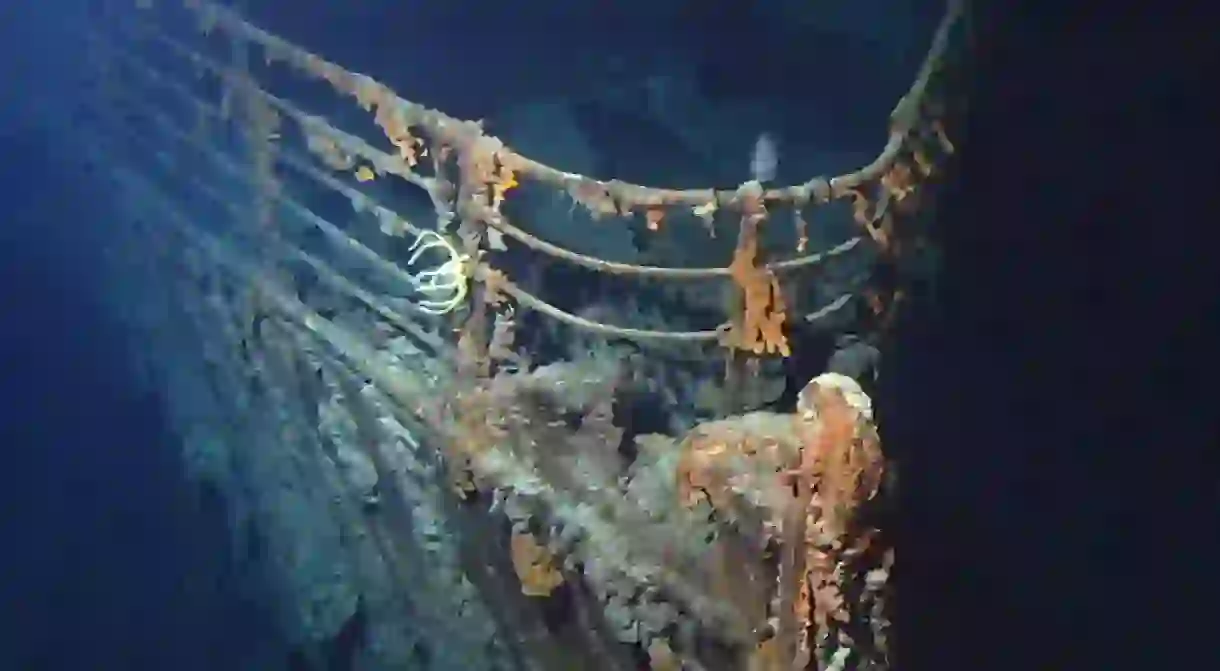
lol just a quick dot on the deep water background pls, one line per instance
(1048, 411)
(109, 560)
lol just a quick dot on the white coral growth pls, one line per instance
(444, 286)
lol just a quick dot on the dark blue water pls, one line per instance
(108, 559)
